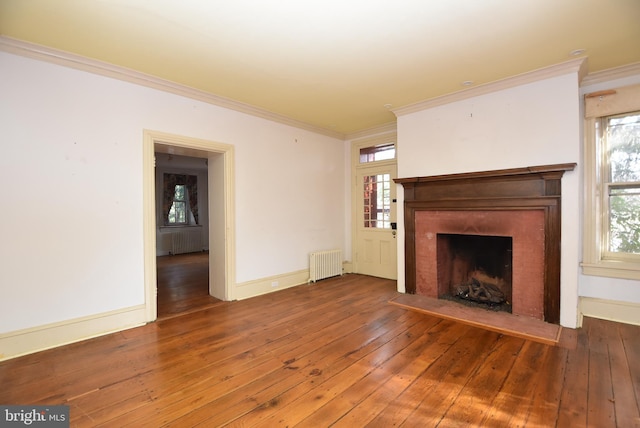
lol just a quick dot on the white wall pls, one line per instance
(71, 168)
(532, 124)
(289, 199)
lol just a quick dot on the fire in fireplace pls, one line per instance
(475, 269)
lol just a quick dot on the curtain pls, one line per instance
(169, 188)
(192, 189)
(170, 181)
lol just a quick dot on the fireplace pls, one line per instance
(523, 228)
(453, 223)
(475, 269)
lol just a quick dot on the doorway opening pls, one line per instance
(220, 234)
(182, 238)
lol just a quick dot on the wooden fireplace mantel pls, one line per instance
(541, 169)
(535, 187)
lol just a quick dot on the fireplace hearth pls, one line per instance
(497, 228)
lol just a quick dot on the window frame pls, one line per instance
(373, 222)
(597, 259)
(190, 181)
(185, 202)
(608, 184)
(367, 153)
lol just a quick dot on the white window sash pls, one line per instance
(596, 260)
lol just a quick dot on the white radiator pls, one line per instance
(325, 264)
(186, 241)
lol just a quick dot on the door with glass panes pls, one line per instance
(376, 243)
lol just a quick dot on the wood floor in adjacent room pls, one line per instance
(183, 284)
(334, 353)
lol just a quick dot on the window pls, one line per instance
(377, 201)
(178, 210)
(377, 153)
(612, 180)
(180, 199)
(373, 162)
(619, 138)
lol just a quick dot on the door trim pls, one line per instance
(356, 166)
(221, 221)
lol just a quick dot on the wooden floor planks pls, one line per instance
(335, 353)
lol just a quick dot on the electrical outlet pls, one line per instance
(274, 284)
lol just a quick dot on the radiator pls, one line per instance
(325, 264)
(186, 241)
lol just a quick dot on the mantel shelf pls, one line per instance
(531, 171)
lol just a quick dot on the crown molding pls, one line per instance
(622, 72)
(578, 66)
(373, 131)
(78, 62)
(39, 52)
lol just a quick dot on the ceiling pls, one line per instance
(340, 65)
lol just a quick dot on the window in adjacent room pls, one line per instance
(612, 180)
(178, 210)
(180, 199)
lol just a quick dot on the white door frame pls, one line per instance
(221, 212)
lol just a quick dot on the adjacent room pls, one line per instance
(321, 213)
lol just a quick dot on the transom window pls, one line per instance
(377, 153)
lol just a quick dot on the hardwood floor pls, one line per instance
(334, 353)
(183, 284)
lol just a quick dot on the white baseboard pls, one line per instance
(270, 284)
(35, 339)
(40, 338)
(612, 310)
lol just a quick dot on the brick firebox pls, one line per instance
(522, 203)
(525, 227)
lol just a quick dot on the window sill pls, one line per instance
(180, 226)
(612, 269)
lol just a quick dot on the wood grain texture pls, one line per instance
(335, 353)
(501, 322)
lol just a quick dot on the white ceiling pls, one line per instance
(332, 64)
